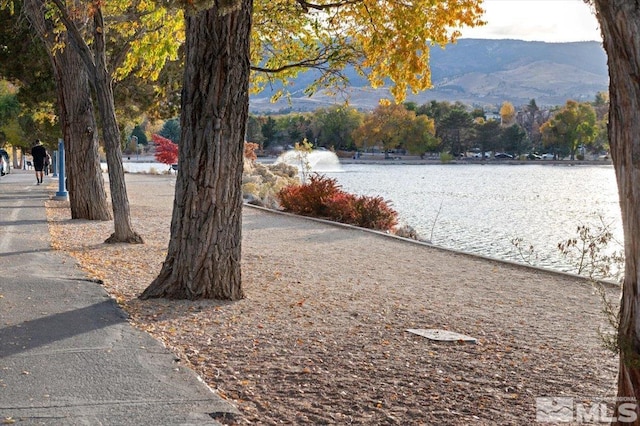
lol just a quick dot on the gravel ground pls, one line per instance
(321, 336)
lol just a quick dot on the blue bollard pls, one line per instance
(54, 164)
(62, 192)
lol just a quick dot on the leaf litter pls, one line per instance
(321, 336)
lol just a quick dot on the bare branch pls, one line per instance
(306, 5)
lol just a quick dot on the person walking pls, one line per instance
(39, 154)
(47, 164)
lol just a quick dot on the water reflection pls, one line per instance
(482, 208)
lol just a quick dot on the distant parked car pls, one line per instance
(534, 156)
(502, 156)
(547, 156)
(5, 164)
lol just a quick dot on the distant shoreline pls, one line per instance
(417, 161)
(412, 160)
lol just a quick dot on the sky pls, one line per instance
(537, 20)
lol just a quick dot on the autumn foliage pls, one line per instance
(322, 197)
(250, 150)
(166, 150)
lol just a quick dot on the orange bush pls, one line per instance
(323, 198)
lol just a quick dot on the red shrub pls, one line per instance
(341, 209)
(166, 150)
(310, 199)
(375, 213)
(323, 198)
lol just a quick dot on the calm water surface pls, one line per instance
(482, 208)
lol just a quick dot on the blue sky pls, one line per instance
(537, 20)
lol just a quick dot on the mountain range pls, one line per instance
(477, 72)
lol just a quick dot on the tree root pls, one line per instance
(130, 239)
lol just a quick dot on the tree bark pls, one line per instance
(87, 196)
(123, 230)
(620, 26)
(203, 260)
(95, 63)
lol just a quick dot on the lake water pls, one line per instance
(481, 209)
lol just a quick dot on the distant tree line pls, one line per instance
(439, 126)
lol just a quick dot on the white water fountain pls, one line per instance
(317, 161)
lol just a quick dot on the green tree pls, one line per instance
(140, 135)
(438, 111)
(293, 128)
(572, 126)
(9, 105)
(171, 130)
(9, 112)
(150, 34)
(254, 130)
(333, 126)
(384, 40)
(487, 136)
(456, 130)
(269, 131)
(514, 140)
(24, 62)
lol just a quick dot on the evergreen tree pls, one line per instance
(171, 130)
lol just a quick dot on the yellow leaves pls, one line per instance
(507, 113)
(8, 421)
(391, 40)
(156, 35)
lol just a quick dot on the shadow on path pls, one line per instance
(46, 330)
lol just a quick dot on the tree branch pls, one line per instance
(76, 38)
(306, 5)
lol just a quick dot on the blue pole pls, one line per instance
(55, 164)
(62, 192)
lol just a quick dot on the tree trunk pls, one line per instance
(203, 260)
(87, 196)
(620, 25)
(123, 231)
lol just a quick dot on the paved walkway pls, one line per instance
(68, 356)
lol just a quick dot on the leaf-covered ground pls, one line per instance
(321, 336)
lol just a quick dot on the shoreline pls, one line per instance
(414, 161)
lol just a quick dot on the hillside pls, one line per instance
(480, 73)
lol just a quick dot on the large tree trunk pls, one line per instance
(620, 25)
(123, 231)
(87, 196)
(203, 260)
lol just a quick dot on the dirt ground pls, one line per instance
(321, 336)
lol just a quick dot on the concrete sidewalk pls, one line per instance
(68, 356)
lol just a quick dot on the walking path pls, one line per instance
(68, 355)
